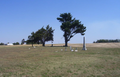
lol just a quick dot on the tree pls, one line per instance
(41, 36)
(44, 35)
(31, 38)
(17, 43)
(70, 26)
(23, 41)
(1, 43)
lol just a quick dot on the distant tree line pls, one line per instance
(107, 41)
(1, 43)
(16, 43)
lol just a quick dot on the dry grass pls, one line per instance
(103, 45)
(20, 61)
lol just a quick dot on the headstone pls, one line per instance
(84, 46)
(76, 50)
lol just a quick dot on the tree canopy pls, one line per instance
(42, 35)
(70, 26)
(17, 43)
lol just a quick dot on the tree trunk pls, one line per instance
(43, 43)
(66, 41)
(32, 43)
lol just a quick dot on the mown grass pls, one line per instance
(20, 61)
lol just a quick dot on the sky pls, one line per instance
(18, 18)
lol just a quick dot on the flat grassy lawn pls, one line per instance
(20, 61)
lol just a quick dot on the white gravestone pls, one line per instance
(76, 50)
(84, 46)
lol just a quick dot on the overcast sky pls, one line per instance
(18, 18)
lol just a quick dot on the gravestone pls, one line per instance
(84, 46)
(76, 50)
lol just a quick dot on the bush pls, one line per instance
(1, 43)
(107, 41)
(17, 43)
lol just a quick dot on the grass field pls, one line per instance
(20, 61)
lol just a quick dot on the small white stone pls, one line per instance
(76, 50)
(28, 48)
(61, 49)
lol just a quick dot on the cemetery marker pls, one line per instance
(84, 46)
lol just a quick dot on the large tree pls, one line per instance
(45, 34)
(42, 35)
(70, 26)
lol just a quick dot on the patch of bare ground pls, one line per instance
(104, 45)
